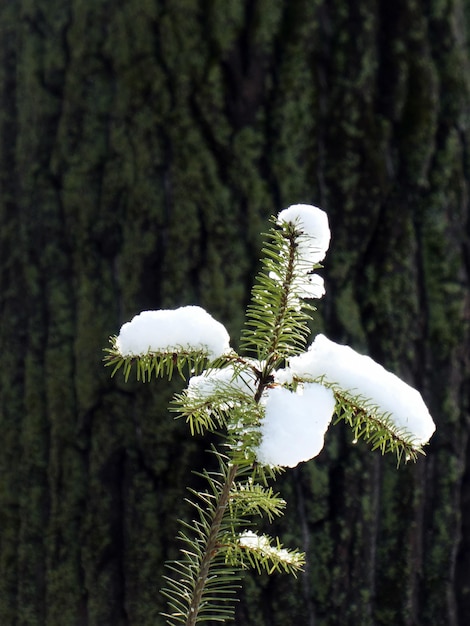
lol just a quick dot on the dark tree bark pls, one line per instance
(143, 146)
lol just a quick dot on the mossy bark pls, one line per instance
(143, 146)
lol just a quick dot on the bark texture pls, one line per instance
(143, 146)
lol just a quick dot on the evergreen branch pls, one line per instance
(158, 364)
(202, 415)
(225, 406)
(374, 426)
(205, 583)
(277, 320)
(210, 550)
(249, 498)
(224, 399)
(258, 552)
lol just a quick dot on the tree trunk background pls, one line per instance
(143, 146)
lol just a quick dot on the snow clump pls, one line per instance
(295, 423)
(313, 223)
(186, 329)
(312, 244)
(261, 543)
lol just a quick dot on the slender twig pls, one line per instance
(271, 361)
(286, 287)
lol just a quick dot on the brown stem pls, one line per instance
(211, 548)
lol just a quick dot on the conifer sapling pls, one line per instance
(272, 404)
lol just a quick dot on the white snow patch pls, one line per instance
(313, 222)
(312, 286)
(283, 376)
(252, 541)
(305, 285)
(228, 377)
(359, 375)
(295, 424)
(188, 328)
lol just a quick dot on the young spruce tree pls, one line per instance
(271, 405)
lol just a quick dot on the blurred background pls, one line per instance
(143, 146)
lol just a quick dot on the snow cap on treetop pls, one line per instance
(295, 422)
(358, 375)
(314, 225)
(187, 329)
